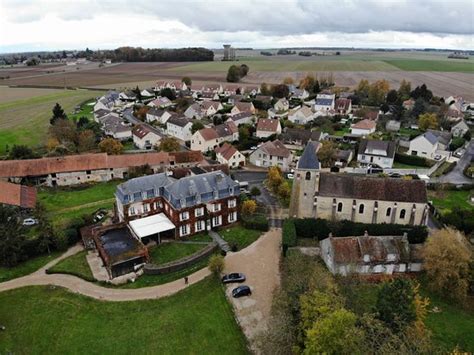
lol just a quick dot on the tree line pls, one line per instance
(138, 54)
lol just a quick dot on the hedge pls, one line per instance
(289, 235)
(413, 160)
(72, 273)
(257, 222)
(320, 228)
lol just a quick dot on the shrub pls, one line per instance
(320, 228)
(289, 234)
(257, 222)
(413, 160)
(216, 264)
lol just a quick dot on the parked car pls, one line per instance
(395, 175)
(240, 291)
(290, 176)
(437, 157)
(253, 147)
(374, 169)
(99, 216)
(233, 277)
(459, 153)
(30, 221)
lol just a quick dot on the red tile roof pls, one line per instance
(17, 195)
(267, 124)
(342, 104)
(364, 124)
(226, 150)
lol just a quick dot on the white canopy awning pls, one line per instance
(147, 226)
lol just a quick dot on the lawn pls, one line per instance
(453, 65)
(86, 110)
(50, 320)
(75, 265)
(26, 267)
(65, 203)
(445, 200)
(26, 121)
(398, 165)
(243, 237)
(167, 252)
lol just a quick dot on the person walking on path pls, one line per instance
(186, 281)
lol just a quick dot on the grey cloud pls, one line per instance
(280, 17)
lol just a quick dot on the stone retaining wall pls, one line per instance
(152, 269)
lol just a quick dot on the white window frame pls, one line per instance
(184, 230)
(218, 219)
(232, 217)
(200, 226)
(199, 212)
(146, 207)
(232, 203)
(217, 207)
(131, 211)
(184, 216)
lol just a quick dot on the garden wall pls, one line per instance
(152, 269)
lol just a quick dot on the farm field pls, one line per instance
(55, 321)
(26, 120)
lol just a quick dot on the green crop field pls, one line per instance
(26, 121)
(453, 65)
(52, 320)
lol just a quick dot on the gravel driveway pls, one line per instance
(260, 264)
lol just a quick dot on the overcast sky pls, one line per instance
(77, 24)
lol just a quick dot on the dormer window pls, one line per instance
(137, 196)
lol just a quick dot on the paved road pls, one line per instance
(456, 176)
(260, 264)
(78, 285)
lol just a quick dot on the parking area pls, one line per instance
(260, 264)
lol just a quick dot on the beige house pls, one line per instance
(145, 136)
(227, 154)
(210, 108)
(267, 126)
(363, 128)
(301, 115)
(364, 199)
(207, 139)
(272, 154)
(242, 107)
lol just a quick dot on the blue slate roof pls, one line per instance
(324, 102)
(309, 158)
(185, 192)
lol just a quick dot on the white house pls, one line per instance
(115, 127)
(157, 114)
(427, 144)
(381, 153)
(173, 85)
(459, 129)
(194, 111)
(300, 94)
(242, 107)
(207, 139)
(281, 105)
(242, 118)
(301, 115)
(324, 103)
(363, 128)
(210, 108)
(147, 93)
(179, 127)
(267, 126)
(161, 102)
(145, 137)
(271, 154)
(227, 154)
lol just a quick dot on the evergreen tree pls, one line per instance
(58, 114)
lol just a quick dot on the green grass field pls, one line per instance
(49, 320)
(445, 201)
(75, 264)
(63, 204)
(346, 62)
(398, 165)
(241, 236)
(26, 121)
(453, 65)
(26, 267)
(167, 252)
